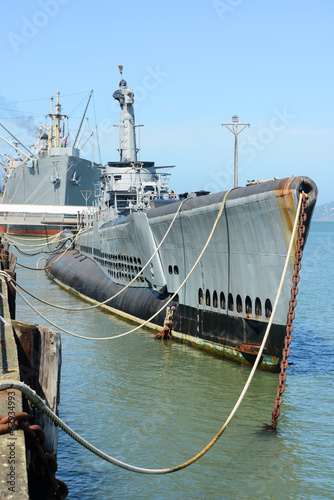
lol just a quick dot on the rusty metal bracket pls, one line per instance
(166, 332)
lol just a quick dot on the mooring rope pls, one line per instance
(159, 310)
(46, 267)
(47, 241)
(67, 249)
(99, 304)
(17, 239)
(39, 403)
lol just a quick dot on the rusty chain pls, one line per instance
(45, 463)
(291, 314)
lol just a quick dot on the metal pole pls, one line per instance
(139, 140)
(90, 135)
(82, 131)
(235, 132)
(22, 152)
(235, 156)
(82, 119)
(16, 139)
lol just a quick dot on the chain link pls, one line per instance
(291, 314)
(45, 463)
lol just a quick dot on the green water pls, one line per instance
(156, 404)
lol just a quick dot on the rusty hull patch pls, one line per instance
(286, 210)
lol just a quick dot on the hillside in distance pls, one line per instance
(324, 212)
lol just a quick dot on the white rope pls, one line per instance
(155, 314)
(118, 293)
(47, 241)
(37, 401)
(17, 239)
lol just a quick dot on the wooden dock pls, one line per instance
(30, 354)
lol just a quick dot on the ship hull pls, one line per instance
(54, 180)
(33, 230)
(226, 303)
(57, 180)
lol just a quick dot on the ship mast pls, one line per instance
(57, 117)
(127, 134)
(50, 131)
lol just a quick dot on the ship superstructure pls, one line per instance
(225, 304)
(52, 172)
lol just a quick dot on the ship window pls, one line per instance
(117, 177)
(176, 270)
(268, 308)
(170, 269)
(258, 307)
(200, 296)
(248, 304)
(207, 298)
(239, 304)
(230, 302)
(222, 300)
(139, 261)
(135, 260)
(215, 299)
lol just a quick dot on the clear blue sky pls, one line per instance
(192, 64)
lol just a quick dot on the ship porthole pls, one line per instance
(200, 296)
(170, 270)
(239, 304)
(268, 308)
(248, 305)
(230, 303)
(176, 270)
(258, 307)
(207, 298)
(222, 300)
(215, 299)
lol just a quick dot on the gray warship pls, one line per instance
(225, 304)
(50, 174)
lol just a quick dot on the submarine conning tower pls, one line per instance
(127, 134)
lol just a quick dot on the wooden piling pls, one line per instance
(13, 469)
(31, 354)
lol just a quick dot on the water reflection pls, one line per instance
(157, 404)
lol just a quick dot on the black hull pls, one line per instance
(235, 338)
